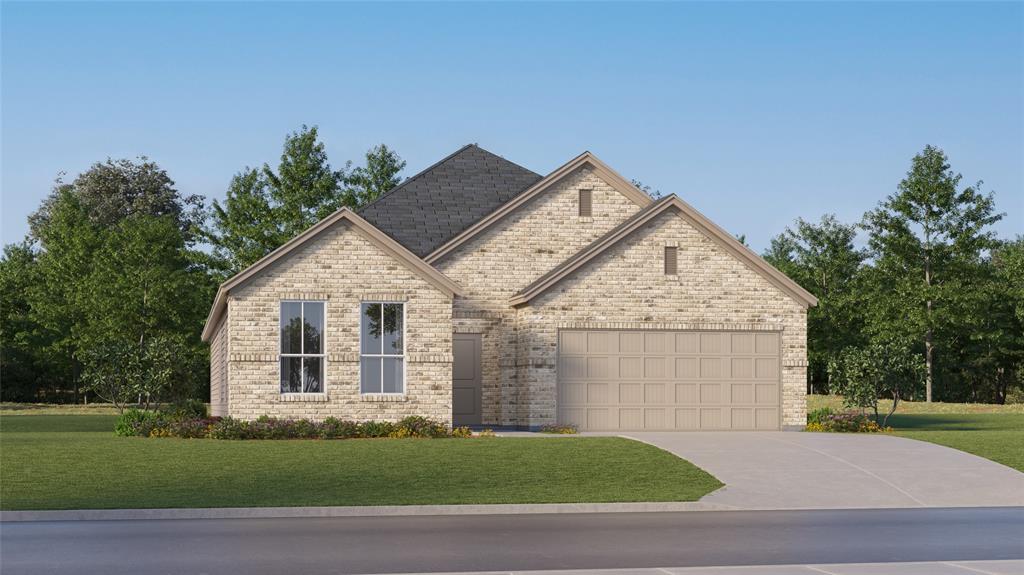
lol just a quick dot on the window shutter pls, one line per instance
(671, 260)
(586, 203)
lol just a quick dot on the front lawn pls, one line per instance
(991, 431)
(75, 462)
(995, 436)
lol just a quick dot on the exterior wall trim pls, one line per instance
(586, 158)
(692, 217)
(390, 246)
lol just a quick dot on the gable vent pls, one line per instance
(671, 260)
(586, 203)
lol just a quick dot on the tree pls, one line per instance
(123, 373)
(922, 239)
(656, 194)
(24, 369)
(378, 176)
(111, 261)
(822, 258)
(116, 189)
(864, 374)
(265, 208)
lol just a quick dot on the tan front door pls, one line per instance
(467, 388)
(669, 380)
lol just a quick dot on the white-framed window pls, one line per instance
(302, 346)
(382, 348)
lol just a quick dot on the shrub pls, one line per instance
(819, 415)
(462, 432)
(846, 422)
(334, 428)
(376, 428)
(419, 426)
(487, 433)
(559, 429)
(129, 422)
(231, 428)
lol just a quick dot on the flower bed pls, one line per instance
(827, 420)
(139, 423)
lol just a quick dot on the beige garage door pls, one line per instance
(666, 380)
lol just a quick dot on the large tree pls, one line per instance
(119, 225)
(925, 239)
(264, 208)
(823, 259)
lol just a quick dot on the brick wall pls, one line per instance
(343, 268)
(626, 287)
(499, 262)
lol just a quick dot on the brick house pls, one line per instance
(480, 293)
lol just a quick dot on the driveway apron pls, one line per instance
(790, 470)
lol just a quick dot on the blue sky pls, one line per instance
(754, 113)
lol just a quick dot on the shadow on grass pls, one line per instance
(958, 422)
(57, 423)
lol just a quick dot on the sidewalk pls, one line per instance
(927, 568)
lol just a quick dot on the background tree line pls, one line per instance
(932, 284)
(110, 289)
(115, 278)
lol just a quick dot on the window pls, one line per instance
(671, 260)
(382, 348)
(586, 203)
(302, 347)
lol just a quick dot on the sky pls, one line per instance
(754, 113)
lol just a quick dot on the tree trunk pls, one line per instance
(928, 350)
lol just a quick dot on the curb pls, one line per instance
(354, 511)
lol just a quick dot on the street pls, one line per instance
(510, 542)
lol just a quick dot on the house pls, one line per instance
(480, 293)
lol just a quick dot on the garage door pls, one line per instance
(668, 380)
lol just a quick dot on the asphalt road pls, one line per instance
(509, 542)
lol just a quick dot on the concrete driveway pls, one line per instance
(790, 470)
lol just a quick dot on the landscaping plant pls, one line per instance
(863, 375)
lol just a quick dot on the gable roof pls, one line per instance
(584, 159)
(430, 208)
(395, 249)
(695, 219)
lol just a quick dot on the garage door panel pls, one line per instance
(654, 419)
(654, 367)
(686, 393)
(599, 367)
(712, 368)
(741, 418)
(687, 418)
(687, 343)
(766, 368)
(742, 343)
(631, 393)
(654, 394)
(742, 368)
(631, 418)
(663, 380)
(741, 393)
(602, 342)
(766, 343)
(686, 368)
(766, 393)
(766, 418)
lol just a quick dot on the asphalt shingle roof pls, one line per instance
(430, 208)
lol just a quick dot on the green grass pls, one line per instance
(815, 401)
(995, 436)
(991, 431)
(75, 462)
(12, 408)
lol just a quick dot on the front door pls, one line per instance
(467, 388)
